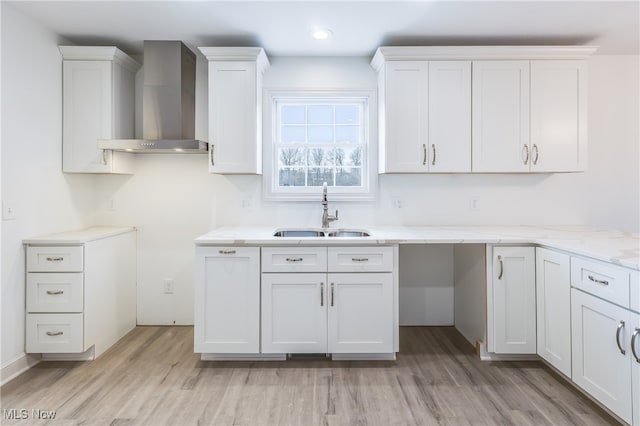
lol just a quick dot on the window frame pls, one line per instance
(271, 190)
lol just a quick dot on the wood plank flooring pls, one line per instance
(152, 377)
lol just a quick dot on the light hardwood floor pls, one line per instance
(152, 377)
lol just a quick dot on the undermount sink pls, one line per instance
(311, 233)
(304, 233)
(347, 233)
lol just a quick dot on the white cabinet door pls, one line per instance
(294, 313)
(635, 368)
(500, 111)
(449, 141)
(227, 300)
(360, 313)
(234, 136)
(553, 295)
(601, 351)
(403, 145)
(558, 116)
(98, 103)
(514, 300)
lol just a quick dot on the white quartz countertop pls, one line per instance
(622, 248)
(80, 236)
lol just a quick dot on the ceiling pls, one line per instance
(284, 28)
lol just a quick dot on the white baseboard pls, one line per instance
(364, 357)
(17, 367)
(243, 357)
(491, 356)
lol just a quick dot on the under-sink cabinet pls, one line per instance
(326, 310)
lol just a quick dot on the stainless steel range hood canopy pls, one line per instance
(168, 102)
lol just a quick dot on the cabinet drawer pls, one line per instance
(54, 333)
(601, 279)
(54, 259)
(294, 259)
(57, 292)
(360, 259)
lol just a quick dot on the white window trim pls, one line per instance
(369, 173)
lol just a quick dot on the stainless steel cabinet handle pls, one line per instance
(227, 252)
(54, 333)
(104, 157)
(633, 344)
(321, 294)
(535, 159)
(359, 259)
(433, 160)
(213, 162)
(55, 259)
(526, 151)
(294, 259)
(620, 327)
(501, 268)
(595, 280)
(332, 294)
(424, 154)
(54, 292)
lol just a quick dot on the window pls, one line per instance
(315, 138)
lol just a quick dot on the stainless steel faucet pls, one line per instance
(326, 217)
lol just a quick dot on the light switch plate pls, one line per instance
(8, 211)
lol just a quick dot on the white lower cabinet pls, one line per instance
(322, 311)
(512, 297)
(553, 297)
(635, 369)
(602, 356)
(360, 316)
(294, 313)
(227, 300)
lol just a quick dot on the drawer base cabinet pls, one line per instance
(80, 297)
(602, 354)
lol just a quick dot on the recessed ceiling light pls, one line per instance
(321, 33)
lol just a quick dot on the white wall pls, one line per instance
(44, 199)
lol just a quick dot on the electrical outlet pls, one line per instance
(168, 286)
(398, 203)
(474, 203)
(111, 204)
(8, 211)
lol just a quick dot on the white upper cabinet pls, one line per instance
(558, 116)
(500, 116)
(449, 145)
(482, 109)
(404, 137)
(235, 109)
(425, 116)
(98, 103)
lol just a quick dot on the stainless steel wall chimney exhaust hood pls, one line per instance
(168, 102)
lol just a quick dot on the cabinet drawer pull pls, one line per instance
(359, 259)
(294, 259)
(633, 344)
(424, 154)
(54, 292)
(620, 327)
(104, 157)
(54, 333)
(332, 285)
(227, 252)
(535, 159)
(321, 294)
(55, 259)
(213, 162)
(597, 281)
(525, 148)
(501, 268)
(433, 160)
